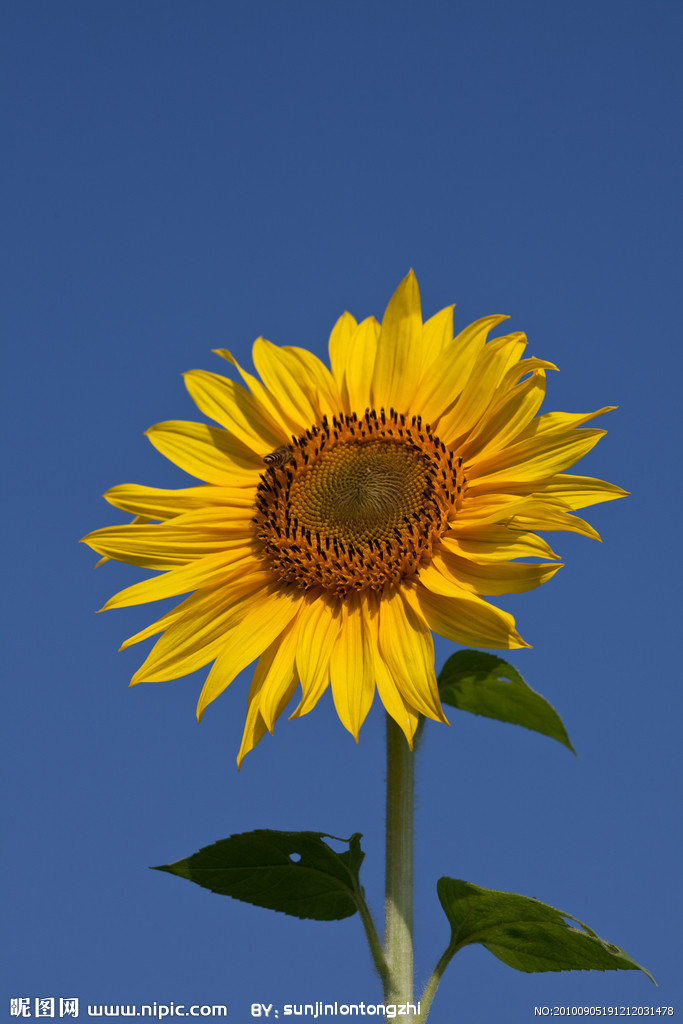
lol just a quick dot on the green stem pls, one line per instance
(433, 983)
(398, 886)
(373, 939)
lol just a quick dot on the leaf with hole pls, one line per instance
(294, 872)
(524, 933)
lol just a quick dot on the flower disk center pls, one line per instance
(359, 492)
(356, 504)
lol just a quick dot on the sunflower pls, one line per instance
(346, 514)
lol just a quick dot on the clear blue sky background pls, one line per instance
(186, 176)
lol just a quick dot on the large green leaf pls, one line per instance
(294, 872)
(524, 933)
(487, 685)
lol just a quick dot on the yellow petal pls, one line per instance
(278, 673)
(580, 491)
(163, 623)
(198, 636)
(497, 507)
(271, 690)
(264, 616)
(353, 348)
(352, 675)
(339, 346)
(547, 514)
(360, 365)
(216, 571)
(468, 620)
(317, 380)
(507, 418)
(164, 503)
(437, 335)
(490, 579)
(520, 369)
(399, 349)
(287, 376)
(231, 406)
(496, 544)
(479, 391)
(395, 704)
(535, 458)
(536, 511)
(320, 624)
(551, 422)
(407, 650)
(206, 452)
(254, 726)
(447, 375)
(161, 545)
(221, 520)
(269, 404)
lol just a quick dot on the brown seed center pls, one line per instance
(360, 490)
(358, 503)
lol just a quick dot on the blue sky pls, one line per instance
(181, 177)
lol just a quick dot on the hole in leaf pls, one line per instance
(295, 857)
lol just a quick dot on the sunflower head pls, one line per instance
(346, 514)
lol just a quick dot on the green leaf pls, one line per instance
(524, 933)
(487, 685)
(294, 872)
